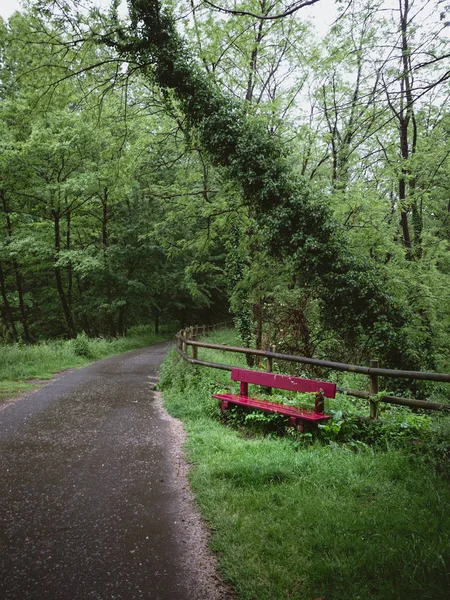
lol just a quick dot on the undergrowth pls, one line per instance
(21, 363)
(355, 511)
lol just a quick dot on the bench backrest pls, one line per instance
(284, 382)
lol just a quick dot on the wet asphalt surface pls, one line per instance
(88, 506)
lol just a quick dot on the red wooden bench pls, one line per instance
(298, 416)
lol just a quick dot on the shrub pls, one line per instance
(81, 346)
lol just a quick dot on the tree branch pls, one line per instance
(241, 13)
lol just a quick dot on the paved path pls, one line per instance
(90, 502)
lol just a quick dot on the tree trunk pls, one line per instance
(404, 214)
(7, 313)
(69, 267)
(105, 219)
(406, 116)
(254, 59)
(258, 316)
(112, 326)
(121, 326)
(59, 284)
(105, 242)
(17, 274)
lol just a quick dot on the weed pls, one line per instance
(81, 346)
(294, 517)
(20, 362)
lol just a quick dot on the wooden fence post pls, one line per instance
(373, 390)
(269, 366)
(191, 335)
(183, 340)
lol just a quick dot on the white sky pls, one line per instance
(323, 13)
(7, 7)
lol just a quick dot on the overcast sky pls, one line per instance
(323, 13)
(7, 7)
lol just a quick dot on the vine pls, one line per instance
(298, 227)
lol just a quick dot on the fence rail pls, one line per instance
(190, 337)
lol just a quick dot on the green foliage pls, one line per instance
(422, 435)
(21, 362)
(284, 511)
(81, 346)
(95, 232)
(434, 450)
(128, 203)
(297, 225)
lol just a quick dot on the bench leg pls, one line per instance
(298, 423)
(224, 406)
(319, 403)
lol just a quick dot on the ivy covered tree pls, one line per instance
(227, 163)
(297, 226)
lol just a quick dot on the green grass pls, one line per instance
(295, 520)
(20, 363)
(12, 389)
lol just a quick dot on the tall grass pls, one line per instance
(294, 520)
(20, 363)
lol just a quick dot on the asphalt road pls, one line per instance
(90, 506)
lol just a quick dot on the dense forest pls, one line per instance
(193, 161)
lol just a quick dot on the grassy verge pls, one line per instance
(295, 518)
(21, 366)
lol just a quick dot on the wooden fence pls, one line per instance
(190, 338)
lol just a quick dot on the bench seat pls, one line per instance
(296, 415)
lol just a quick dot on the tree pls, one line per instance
(214, 168)
(296, 225)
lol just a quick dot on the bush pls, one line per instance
(434, 450)
(296, 518)
(81, 346)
